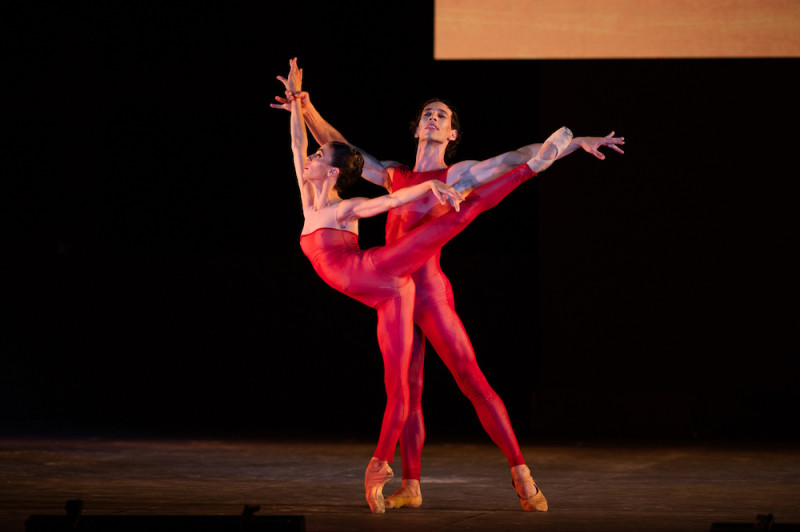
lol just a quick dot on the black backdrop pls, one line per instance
(155, 281)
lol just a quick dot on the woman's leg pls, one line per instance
(395, 335)
(413, 436)
(409, 252)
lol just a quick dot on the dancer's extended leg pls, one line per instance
(401, 257)
(449, 339)
(395, 316)
(409, 252)
(413, 249)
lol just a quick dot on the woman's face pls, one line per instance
(318, 165)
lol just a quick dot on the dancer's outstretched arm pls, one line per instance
(469, 174)
(356, 208)
(466, 175)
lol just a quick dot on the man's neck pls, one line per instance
(430, 157)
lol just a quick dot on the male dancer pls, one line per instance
(434, 312)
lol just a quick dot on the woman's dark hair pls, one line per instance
(455, 123)
(349, 162)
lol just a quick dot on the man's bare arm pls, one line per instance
(471, 174)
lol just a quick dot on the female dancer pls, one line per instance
(381, 276)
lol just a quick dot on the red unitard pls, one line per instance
(435, 315)
(381, 278)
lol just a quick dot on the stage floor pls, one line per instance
(590, 486)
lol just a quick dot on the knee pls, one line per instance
(473, 384)
(397, 391)
(415, 401)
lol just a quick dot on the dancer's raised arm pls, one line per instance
(297, 129)
(318, 180)
(374, 171)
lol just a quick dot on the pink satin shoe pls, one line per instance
(530, 496)
(378, 473)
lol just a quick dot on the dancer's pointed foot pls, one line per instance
(551, 149)
(378, 473)
(530, 496)
(409, 495)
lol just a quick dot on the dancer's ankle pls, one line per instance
(408, 494)
(520, 471)
(411, 485)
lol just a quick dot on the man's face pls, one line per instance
(434, 124)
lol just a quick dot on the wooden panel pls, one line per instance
(520, 29)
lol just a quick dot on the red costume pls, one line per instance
(381, 278)
(435, 315)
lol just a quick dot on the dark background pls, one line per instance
(156, 285)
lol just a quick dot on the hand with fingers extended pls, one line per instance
(293, 84)
(294, 80)
(593, 144)
(446, 194)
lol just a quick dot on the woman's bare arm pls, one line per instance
(356, 208)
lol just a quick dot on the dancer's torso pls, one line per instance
(430, 281)
(344, 266)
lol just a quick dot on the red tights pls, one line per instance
(440, 323)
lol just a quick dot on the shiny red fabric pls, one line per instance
(381, 277)
(437, 320)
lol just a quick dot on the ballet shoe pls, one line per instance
(378, 473)
(551, 149)
(524, 486)
(404, 497)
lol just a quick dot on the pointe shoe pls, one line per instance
(378, 473)
(551, 149)
(530, 496)
(404, 497)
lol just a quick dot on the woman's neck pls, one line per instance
(324, 194)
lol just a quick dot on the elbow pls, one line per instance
(516, 158)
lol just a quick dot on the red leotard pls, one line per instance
(435, 315)
(381, 278)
